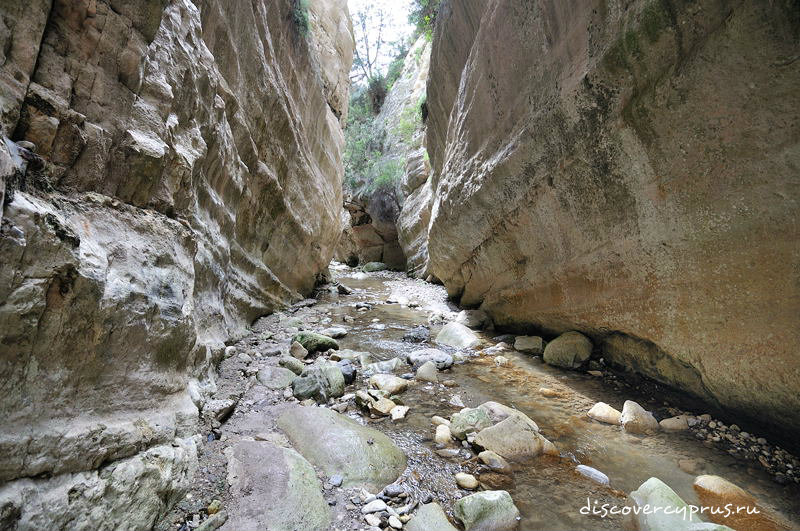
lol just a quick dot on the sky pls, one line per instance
(397, 28)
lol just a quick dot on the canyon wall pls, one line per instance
(377, 233)
(172, 171)
(629, 169)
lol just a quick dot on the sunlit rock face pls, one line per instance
(186, 180)
(629, 170)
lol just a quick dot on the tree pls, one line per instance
(368, 21)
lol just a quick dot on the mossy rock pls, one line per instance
(314, 342)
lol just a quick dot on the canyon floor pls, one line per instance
(249, 473)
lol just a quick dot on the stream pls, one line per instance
(548, 492)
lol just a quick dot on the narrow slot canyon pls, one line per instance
(423, 265)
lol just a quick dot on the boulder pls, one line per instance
(321, 380)
(512, 438)
(491, 510)
(495, 462)
(259, 471)
(498, 412)
(314, 342)
(602, 412)
(469, 420)
(442, 360)
(635, 419)
(372, 267)
(716, 493)
(529, 344)
(477, 319)
(655, 493)
(427, 372)
(678, 423)
(569, 350)
(457, 335)
(275, 377)
(429, 517)
(389, 383)
(366, 458)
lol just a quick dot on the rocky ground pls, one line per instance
(348, 410)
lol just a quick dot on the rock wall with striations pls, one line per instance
(628, 169)
(186, 179)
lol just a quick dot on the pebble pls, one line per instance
(395, 522)
(443, 435)
(336, 480)
(456, 401)
(437, 420)
(373, 520)
(466, 481)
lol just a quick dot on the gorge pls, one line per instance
(566, 204)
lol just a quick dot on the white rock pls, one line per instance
(375, 506)
(635, 419)
(457, 335)
(399, 412)
(678, 423)
(602, 412)
(395, 522)
(373, 520)
(389, 383)
(443, 435)
(466, 481)
(593, 474)
(428, 372)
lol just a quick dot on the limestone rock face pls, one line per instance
(378, 232)
(594, 170)
(186, 180)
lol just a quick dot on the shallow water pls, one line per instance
(547, 491)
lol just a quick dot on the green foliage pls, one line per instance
(300, 16)
(384, 174)
(423, 16)
(395, 68)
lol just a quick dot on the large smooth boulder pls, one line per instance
(512, 438)
(314, 342)
(443, 360)
(491, 510)
(429, 517)
(569, 350)
(259, 471)
(655, 493)
(457, 335)
(321, 380)
(717, 493)
(372, 267)
(635, 419)
(339, 445)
